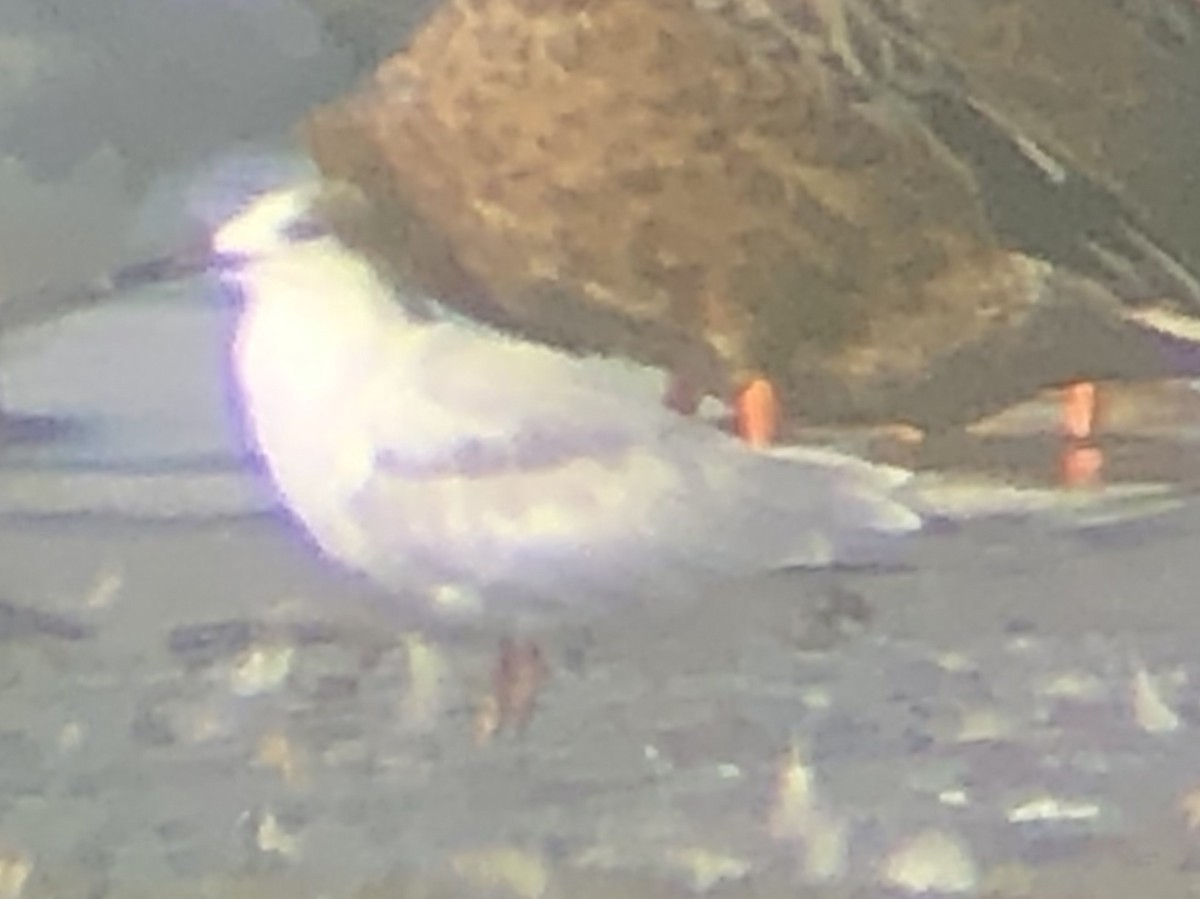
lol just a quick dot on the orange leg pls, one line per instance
(1082, 461)
(758, 412)
(1079, 410)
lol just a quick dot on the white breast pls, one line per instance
(306, 339)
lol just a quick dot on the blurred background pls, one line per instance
(102, 105)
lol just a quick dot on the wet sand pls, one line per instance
(207, 702)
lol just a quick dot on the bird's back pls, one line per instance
(785, 187)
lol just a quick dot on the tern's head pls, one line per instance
(269, 225)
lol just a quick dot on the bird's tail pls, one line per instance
(1044, 207)
(1036, 198)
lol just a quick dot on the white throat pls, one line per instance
(311, 332)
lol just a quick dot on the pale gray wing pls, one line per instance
(502, 461)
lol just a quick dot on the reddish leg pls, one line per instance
(1079, 410)
(758, 412)
(517, 681)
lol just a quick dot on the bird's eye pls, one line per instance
(305, 228)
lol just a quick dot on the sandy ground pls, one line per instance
(195, 704)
